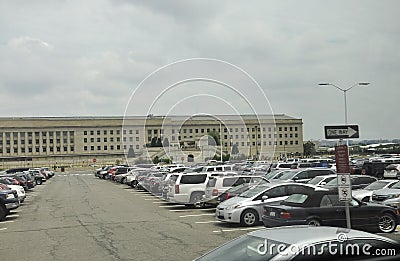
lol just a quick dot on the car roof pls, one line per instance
(304, 235)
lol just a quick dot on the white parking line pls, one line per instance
(206, 222)
(180, 210)
(14, 215)
(170, 206)
(237, 229)
(148, 196)
(198, 215)
(4, 228)
(8, 221)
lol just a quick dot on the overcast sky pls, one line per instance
(84, 58)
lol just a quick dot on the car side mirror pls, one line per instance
(263, 198)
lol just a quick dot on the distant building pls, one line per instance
(79, 140)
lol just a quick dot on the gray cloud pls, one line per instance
(66, 58)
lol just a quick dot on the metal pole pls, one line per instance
(220, 138)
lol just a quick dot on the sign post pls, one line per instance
(341, 132)
(342, 162)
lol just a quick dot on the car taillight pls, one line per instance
(215, 192)
(176, 189)
(284, 214)
(228, 195)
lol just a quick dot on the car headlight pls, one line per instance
(394, 196)
(233, 206)
(10, 196)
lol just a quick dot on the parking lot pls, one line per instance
(76, 216)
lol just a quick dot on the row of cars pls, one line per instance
(15, 182)
(241, 197)
(282, 200)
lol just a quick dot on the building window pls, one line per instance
(65, 149)
(98, 147)
(137, 147)
(296, 142)
(84, 132)
(105, 132)
(137, 131)
(118, 147)
(98, 132)
(111, 132)
(111, 139)
(112, 147)
(72, 148)
(105, 147)
(91, 148)
(130, 131)
(137, 138)
(85, 148)
(105, 139)
(85, 140)
(44, 149)
(91, 132)
(98, 139)
(118, 132)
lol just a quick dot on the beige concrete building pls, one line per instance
(80, 140)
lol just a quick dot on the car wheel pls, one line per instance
(2, 213)
(195, 199)
(387, 223)
(38, 182)
(249, 218)
(314, 222)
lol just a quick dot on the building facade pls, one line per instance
(83, 140)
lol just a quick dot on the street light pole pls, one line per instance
(344, 94)
(348, 222)
(220, 138)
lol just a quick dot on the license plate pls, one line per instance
(272, 214)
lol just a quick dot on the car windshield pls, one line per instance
(287, 175)
(295, 199)
(377, 185)
(253, 191)
(247, 247)
(332, 183)
(274, 174)
(396, 186)
(316, 180)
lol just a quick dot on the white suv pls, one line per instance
(189, 188)
(219, 184)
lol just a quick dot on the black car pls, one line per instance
(323, 208)
(357, 182)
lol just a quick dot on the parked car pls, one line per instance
(235, 191)
(322, 180)
(20, 190)
(275, 174)
(303, 175)
(188, 188)
(8, 201)
(304, 243)
(366, 193)
(37, 175)
(388, 196)
(392, 171)
(357, 182)
(246, 208)
(219, 184)
(323, 208)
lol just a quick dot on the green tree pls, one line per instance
(309, 148)
(131, 153)
(214, 135)
(235, 149)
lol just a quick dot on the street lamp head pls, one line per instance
(324, 84)
(363, 83)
